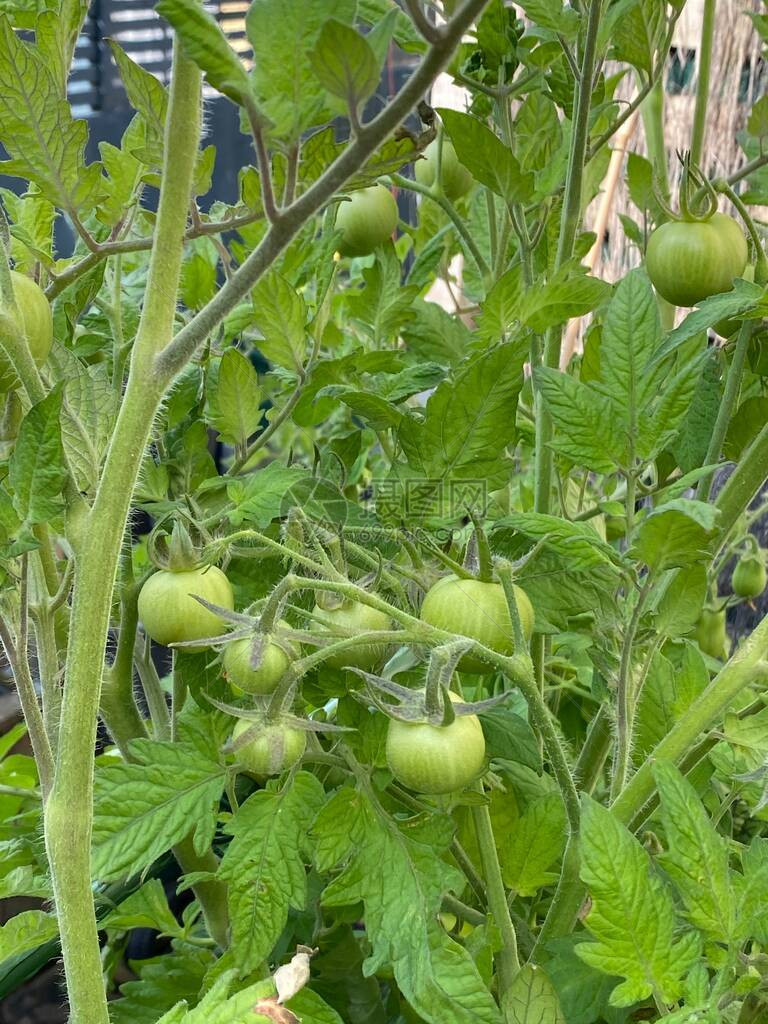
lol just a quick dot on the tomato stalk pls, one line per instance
(507, 958)
(434, 193)
(68, 810)
(625, 697)
(704, 66)
(727, 406)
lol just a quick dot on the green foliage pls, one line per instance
(334, 440)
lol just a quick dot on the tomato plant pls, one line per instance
(299, 447)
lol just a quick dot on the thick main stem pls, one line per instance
(704, 62)
(68, 811)
(569, 223)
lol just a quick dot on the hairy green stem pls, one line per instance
(569, 223)
(742, 485)
(727, 406)
(118, 704)
(507, 957)
(68, 811)
(624, 698)
(746, 667)
(704, 66)
(652, 113)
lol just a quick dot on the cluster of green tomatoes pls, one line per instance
(431, 759)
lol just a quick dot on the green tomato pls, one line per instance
(749, 577)
(350, 619)
(276, 747)
(729, 325)
(168, 608)
(435, 759)
(688, 261)
(262, 680)
(455, 179)
(366, 220)
(478, 610)
(711, 634)
(34, 319)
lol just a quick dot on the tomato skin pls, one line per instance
(171, 614)
(352, 618)
(478, 610)
(276, 747)
(455, 179)
(35, 319)
(435, 759)
(366, 220)
(711, 634)
(688, 261)
(236, 662)
(749, 577)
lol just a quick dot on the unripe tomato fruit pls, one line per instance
(435, 759)
(170, 612)
(688, 261)
(236, 662)
(749, 577)
(275, 748)
(352, 618)
(711, 634)
(366, 220)
(455, 179)
(478, 610)
(34, 319)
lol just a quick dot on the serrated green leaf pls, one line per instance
(26, 931)
(534, 845)
(345, 64)
(204, 42)
(675, 534)
(469, 420)
(283, 34)
(260, 497)
(45, 144)
(632, 915)
(280, 313)
(143, 808)
(264, 866)
(234, 405)
(37, 472)
(668, 692)
(585, 423)
(484, 154)
(148, 96)
(697, 858)
(145, 908)
(400, 875)
(578, 543)
(570, 293)
(531, 999)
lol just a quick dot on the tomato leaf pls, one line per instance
(485, 155)
(144, 807)
(632, 916)
(345, 64)
(37, 471)
(697, 856)
(204, 42)
(675, 534)
(280, 313)
(234, 406)
(264, 865)
(531, 999)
